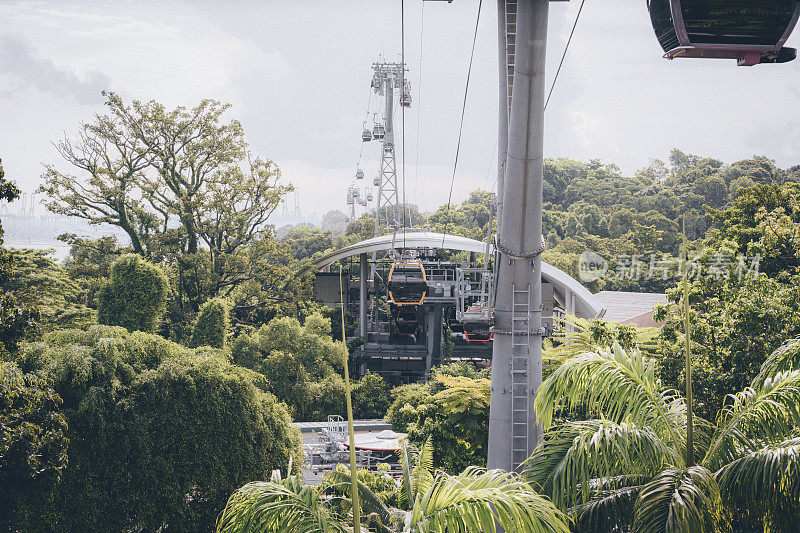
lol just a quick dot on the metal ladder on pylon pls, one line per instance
(511, 37)
(520, 358)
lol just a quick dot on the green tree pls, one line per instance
(305, 241)
(457, 422)
(371, 396)
(33, 443)
(764, 221)
(39, 282)
(471, 502)
(211, 328)
(626, 468)
(185, 188)
(15, 320)
(160, 434)
(89, 263)
(135, 295)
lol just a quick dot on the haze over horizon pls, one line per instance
(301, 96)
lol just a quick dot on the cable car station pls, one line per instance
(410, 309)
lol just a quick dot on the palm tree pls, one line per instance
(474, 501)
(627, 470)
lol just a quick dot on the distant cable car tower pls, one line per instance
(353, 197)
(386, 81)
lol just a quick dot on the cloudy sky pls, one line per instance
(297, 74)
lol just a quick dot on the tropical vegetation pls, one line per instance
(143, 382)
(629, 465)
(473, 501)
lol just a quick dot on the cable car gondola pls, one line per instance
(378, 132)
(750, 31)
(406, 320)
(366, 135)
(359, 174)
(407, 284)
(477, 332)
(405, 99)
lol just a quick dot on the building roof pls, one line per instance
(630, 307)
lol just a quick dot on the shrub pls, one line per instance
(211, 328)
(370, 397)
(452, 409)
(412, 395)
(135, 295)
(457, 421)
(33, 443)
(160, 434)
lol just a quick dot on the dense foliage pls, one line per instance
(159, 435)
(473, 501)
(33, 443)
(741, 312)
(135, 295)
(211, 328)
(15, 319)
(303, 367)
(40, 282)
(628, 466)
(451, 409)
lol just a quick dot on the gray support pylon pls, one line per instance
(519, 266)
(506, 29)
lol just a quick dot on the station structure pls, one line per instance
(402, 339)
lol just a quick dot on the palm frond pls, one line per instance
(570, 457)
(279, 505)
(378, 514)
(611, 505)
(787, 357)
(770, 412)
(423, 471)
(620, 384)
(767, 478)
(477, 500)
(679, 500)
(408, 458)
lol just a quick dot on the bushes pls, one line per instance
(159, 434)
(303, 366)
(135, 296)
(33, 443)
(211, 328)
(371, 396)
(407, 398)
(452, 409)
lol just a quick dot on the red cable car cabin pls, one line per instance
(750, 31)
(407, 284)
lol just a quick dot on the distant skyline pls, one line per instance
(297, 75)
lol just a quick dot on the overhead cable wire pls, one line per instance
(564, 55)
(419, 113)
(461, 125)
(403, 109)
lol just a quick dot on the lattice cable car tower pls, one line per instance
(387, 80)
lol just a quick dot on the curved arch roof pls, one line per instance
(586, 304)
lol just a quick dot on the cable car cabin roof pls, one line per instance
(751, 31)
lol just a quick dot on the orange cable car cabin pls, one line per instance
(407, 284)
